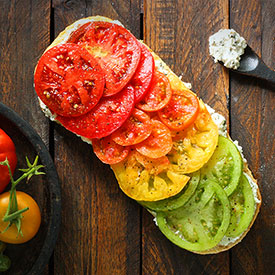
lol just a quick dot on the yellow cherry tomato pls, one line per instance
(30, 222)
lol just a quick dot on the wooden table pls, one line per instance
(103, 231)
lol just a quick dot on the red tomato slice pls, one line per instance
(158, 144)
(116, 50)
(69, 80)
(144, 74)
(181, 111)
(158, 95)
(135, 129)
(107, 116)
(108, 151)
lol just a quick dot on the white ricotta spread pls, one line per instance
(240, 148)
(227, 46)
(218, 119)
(228, 240)
(47, 111)
(254, 188)
(160, 67)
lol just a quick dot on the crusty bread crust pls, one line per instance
(176, 83)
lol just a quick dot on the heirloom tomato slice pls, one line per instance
(142, 78)
(158, 144)
(158, 95)
(69, 80)
(194, 146)
(134, 130)
(242, 208)
(108, 151)
(181, 111)
(148, 180)
(107, 116)
(178, 200)
(201, 223)
(116, 50)
(225, 166)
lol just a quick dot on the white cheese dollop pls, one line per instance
(227, 46)
(218, 119)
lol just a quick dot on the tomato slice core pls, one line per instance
(116, 50)
(159, 94)
(108, 151)
(143, 76)
(135, 129)
(108, 115)
(158, 144)
(181, 111)
(69, 80)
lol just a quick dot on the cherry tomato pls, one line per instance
(158, 144)
(69, 80)
(108, 151)
(7, 150)
(116, 50)
(135, 129)
(109, 114)
(159, 94)
(181, 111)
(144, 74)
(30, 222)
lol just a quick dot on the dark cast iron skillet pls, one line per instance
(33, 256)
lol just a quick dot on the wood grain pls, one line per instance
(100, 232)
(179, 34)
(252, 123)
(24, 34)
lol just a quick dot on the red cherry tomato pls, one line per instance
(107, 116)
(144, 74)
(116, 50)
(69, 80)
(181, 111)
(158, 95)
(7, 150)
(135, 129)
(108, 151)
(158, 144)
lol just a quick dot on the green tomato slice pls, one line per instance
(242, 208)
(201, 223)
(177, 200)
(225, 166)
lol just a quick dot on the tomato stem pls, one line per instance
(14, 215)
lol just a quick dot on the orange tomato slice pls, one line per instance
(158, 144)
(181, 111)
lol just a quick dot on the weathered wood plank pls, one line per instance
(24, 34)
(252, 123)
(24, 37)
(177, 31)
(100, 232)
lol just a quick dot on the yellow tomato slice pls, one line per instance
(145, 179)
(194, 146)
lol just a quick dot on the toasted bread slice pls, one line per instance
(176, 83)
